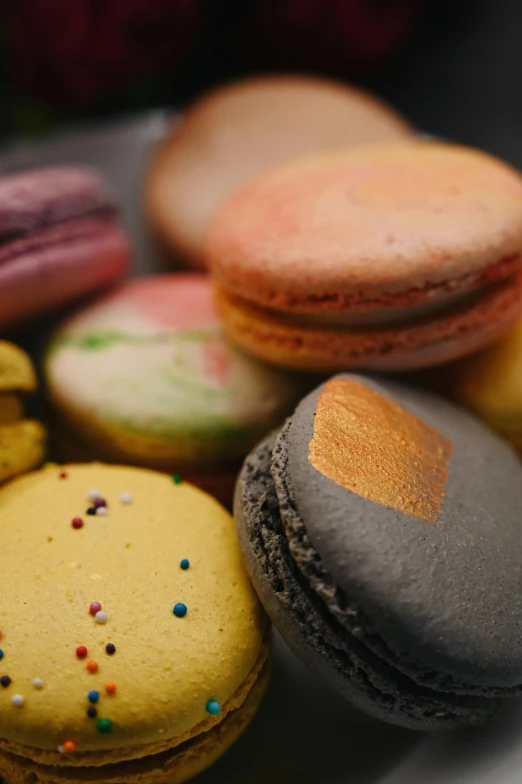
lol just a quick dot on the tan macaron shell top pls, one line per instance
(372, 227)
(236, 132)
(166, 668)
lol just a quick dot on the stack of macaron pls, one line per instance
(377, 522)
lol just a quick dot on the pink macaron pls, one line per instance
(386, 257)
(59, 240)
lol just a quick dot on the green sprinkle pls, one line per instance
(177, 479)
(104, 725)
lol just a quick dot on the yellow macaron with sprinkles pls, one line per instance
(132, 645)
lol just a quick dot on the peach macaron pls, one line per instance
(236, 132)
(387, 256)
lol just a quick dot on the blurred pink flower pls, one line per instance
(76, 51)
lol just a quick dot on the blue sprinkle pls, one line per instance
(213, 707)
(93, 696)
(180, 610)
(92, 712)
(2, 653)
(184, 563)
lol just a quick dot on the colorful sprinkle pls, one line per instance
(101, 617)
(38, 683)
(92, 712)
(92, 666)
(77, 522)
(126, 498)
(63, 474)
(1, 654)
(101, 510)
(17, 700)
(94, 608)
(99, 502)
(184, 563)
(110, 688)
(5, 681)
(91, 510)
(69, 747)
(213, 707)
(180, 610)
(93, 696)
(110, 648)
(81, 651)
(177, 479)
(104, 725)
(61, 750)
(93, 494)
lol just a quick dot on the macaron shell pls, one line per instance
(490, 385)
(34, 281)
(132, 569)
(236, 132)
(22, 447)
(16, 369)
(402, 346)
(170, 767)
(32, 200)
(373, 227)
(443, 593)
(146, 373)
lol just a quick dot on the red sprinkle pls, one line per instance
(81, 651)
(99, 502)
(95, 608)
(77, 522)
(64, 475)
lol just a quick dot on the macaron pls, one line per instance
(144, 376)
(238, 131)
(22, 441)
(490, 384)
(389, 257)
(59, 240)
(381, 529)
(134, 648)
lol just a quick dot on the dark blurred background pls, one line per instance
(453, 67)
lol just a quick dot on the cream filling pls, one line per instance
(381, 317)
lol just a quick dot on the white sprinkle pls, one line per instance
(17, 700)
(126, 498)
(93, 494)
(38, 683)
(101, 510)
(61, 750)
(101, 617)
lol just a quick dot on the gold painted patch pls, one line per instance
(373, 447)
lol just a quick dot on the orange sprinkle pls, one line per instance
(92, 666)
(110, 688)
(69, 746)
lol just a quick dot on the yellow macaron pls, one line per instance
(490, 385)
(133, 647)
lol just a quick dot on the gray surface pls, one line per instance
(304, 733)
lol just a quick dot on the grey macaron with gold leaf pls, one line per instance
(381, 529)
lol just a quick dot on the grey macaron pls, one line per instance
(382, 530)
